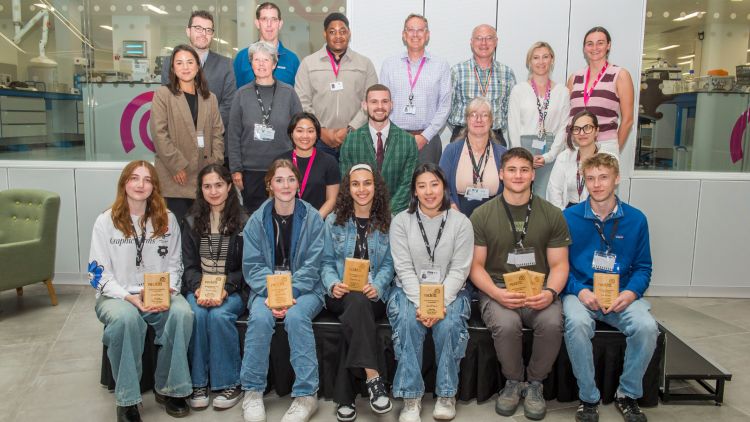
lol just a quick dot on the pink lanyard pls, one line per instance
(334, 66)
(413, 83)
(307, 170)
(587, 94)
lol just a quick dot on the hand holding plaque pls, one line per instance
(212, 288)
(356, 272)
(606, 288)
(518, 282)
(279, 288)
(432, 301)
(156, 292)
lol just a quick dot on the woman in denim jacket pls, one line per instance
(284, 235)
(359, 229)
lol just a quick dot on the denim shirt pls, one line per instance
(306, 250)
(340, 245)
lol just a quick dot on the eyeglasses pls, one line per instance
(415, 31)
(585, 129)
(488, 38)
(477, 116)
(201, 30)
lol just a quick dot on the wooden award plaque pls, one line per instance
(279, 290)
(537, 282)
(606, 288)
(156, 290)
(432, 300)
(212, 286)
(518, 282)
(356, 272)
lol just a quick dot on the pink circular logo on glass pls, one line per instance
(126, 123)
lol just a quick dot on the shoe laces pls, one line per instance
(534, 391)
(411, 405)
(253, 399)
(297, 406)
(200, 391)
(376, 388)
(228, 392)
(588, 408)
(630, 406)
(445, 401)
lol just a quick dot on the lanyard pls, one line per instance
(601, 233)
(431, 252)
(542, 107)
(303, 185)
(139, 245)
(477, 173)
(266, 116)
(579, 176)
(483, 88)
(413, 82)
(334, 66)
(280, 240)
(361, 242)
(587, 94)
(519, 242)
(211, 250)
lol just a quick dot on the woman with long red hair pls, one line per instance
(135, 237)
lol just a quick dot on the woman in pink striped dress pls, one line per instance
(605, 90)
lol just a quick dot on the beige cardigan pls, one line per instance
(177, 144)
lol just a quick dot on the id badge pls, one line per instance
(199, 138)
(410, 109)
(522, 257)
(263, 132)
(476, 194)
(281, 269)
(535, 145)
(337, 86)
(430, 275)
(603, 261)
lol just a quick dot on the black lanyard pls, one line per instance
(611, 237)
(211, 250)
(266, 116)
(519, 242)
(477, 173)
(139, 245)
(431, 252)
(280, 242)
(361, 242)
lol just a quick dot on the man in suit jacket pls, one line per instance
(216, 68)
(384, 146)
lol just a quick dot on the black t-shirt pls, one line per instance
(324, 172)
(192, 100)
(282, 237)
(360, 247)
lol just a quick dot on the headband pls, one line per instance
(360, 167)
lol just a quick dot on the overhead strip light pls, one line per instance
(688, 16)
(107, 27)
(669, 47)
(154, 9)
(689, 56)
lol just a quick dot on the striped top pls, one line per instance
(603, 102)
(213, 252)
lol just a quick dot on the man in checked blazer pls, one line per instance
(384, 146)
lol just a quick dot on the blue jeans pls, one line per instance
(450, 336)
(125, 335)
(298, 325)
(639, 328)
(215, 344)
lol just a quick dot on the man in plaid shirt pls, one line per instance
(483, 76)
(382, 145)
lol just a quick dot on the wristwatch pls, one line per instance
(554, 292)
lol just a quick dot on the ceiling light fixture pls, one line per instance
(687, 62)
(154, 9)
(688, 16)
(669, 47)
(107, 27)
(689, 56)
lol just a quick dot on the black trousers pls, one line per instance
(254, 189)
(498, 135)
(179, 207)
(357, 314)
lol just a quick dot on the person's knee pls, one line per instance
(260, 321)
(502, 324)
(218, 317)
(357, 300)
(296, 317)
(644, 328)
(125, 319)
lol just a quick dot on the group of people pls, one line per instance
(273, 166)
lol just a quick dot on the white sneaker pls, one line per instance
(411, 410)
(252, 407)
(301, 409)
(445, 408)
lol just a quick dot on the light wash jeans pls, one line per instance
(298, 325)
(215, 344)
(125, 335)
(450, 336)
(639, 328)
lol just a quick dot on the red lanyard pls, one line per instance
(334, 66)
(483, 89)
(413, 83)
(587, 94)
(307, 170)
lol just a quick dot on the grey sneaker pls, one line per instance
(228, 397)
(410, 412)
(301, 409)
(534, 406)
(252, 407)
(199, 398)
(445, 408)
(508, 398)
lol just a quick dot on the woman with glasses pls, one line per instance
(471, 163)
(256, 135)
(566, 184)
(605, 90)
(538, 110)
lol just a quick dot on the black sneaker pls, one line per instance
(346, 412)
(228, 397)
(176, 407)
(128, 414)
(199, 398)
(629, 409)
(587, 412)
(379, 401)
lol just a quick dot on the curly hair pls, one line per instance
(231, 215)
(156, 207)
(380, 213)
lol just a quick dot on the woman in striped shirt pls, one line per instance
(605, 90)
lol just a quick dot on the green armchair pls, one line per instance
(28, 236)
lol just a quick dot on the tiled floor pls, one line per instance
(50, 358)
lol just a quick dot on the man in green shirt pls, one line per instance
(383, 146)
(537, 240)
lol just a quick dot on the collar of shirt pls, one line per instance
(383, 133)
(589, 213)
(427, 55)
(203, 58)
(423, 215)
(475, 65)
(334, 55)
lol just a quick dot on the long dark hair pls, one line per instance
(201, 86)
(380, 213)
(438, 172)
(582, 113)
(232, 215)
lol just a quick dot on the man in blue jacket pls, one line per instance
(609, 237)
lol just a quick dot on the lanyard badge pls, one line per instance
(521, 255)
